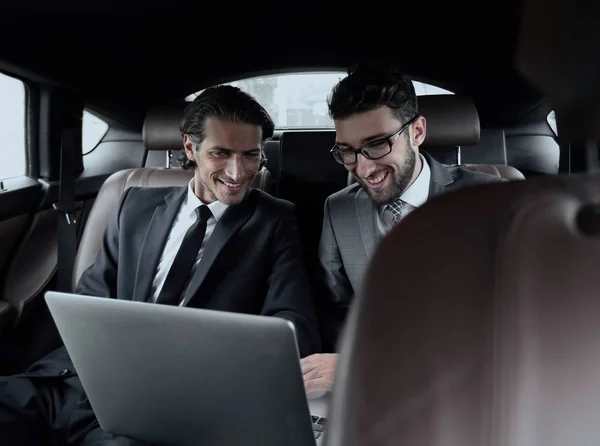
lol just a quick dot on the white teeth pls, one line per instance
(232, 185)
(378, 179)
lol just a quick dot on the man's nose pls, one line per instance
(235, 168)
(364, 166)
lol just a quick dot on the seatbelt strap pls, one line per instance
(66, 205)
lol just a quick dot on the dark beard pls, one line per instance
(398, 188)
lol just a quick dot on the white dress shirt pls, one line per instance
(184, 220)
(413, 197)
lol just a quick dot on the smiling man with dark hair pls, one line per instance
(216, 244)
(378, 134)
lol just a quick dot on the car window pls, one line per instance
(92, 132)
(12, 128)
(300, 100)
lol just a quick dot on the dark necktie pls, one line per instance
(397, 209)
(178, 275)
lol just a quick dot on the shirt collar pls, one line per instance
(418, 192)
(192, 202)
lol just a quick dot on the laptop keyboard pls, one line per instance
(318, 424)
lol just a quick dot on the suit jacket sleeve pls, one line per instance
(289, 293)
(335, 290)
(100, 279)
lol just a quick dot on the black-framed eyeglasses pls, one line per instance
(372, 150)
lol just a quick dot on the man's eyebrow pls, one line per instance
(365, 140)
(375, 137)
(224, 149)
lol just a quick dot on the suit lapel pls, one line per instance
(154, 242)
(440, 177)
(229, 224)
(366, 217)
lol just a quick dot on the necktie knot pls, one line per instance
(203, 213)
(396, 207)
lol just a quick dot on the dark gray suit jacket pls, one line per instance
(349, 239)
(252, 263)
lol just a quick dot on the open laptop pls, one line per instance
(183, 376)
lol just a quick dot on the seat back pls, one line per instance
(506, 357)
(160, 133)
(497, 170)
(453, 123)
(308, 175)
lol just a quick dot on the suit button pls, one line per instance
(64, 372)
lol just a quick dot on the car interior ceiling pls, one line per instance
(135, 81)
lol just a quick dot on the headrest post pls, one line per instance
(145, 158)
(458, 157)
(168, 159)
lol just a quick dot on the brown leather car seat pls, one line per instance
(160, 132)
(498, 170)
(484, 331)
(453, 121)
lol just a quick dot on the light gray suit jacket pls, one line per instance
(350, 236)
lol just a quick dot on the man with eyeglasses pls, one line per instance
(378, 134)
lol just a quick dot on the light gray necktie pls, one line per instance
(396, 208)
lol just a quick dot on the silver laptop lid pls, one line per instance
(173, 375)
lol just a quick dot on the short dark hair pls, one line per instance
(371, 85)
(221, 102)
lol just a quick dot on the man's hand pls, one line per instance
(319, 371)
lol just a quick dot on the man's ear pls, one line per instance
(189, 147)
(419, 131)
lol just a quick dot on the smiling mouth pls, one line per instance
(233, 186)
(375, 181)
